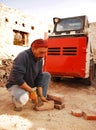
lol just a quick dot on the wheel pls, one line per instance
(90, 79)
(56, 79)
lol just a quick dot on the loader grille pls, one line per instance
(54, 51)
(69, 50)
(62, 51)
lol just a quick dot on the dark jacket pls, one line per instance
(25, 69)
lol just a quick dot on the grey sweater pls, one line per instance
(25, 69)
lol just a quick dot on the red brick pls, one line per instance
(89, 115)
(58, 98)
(46, 106)
(77, 112)
(58, 106)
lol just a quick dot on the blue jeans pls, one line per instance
(20, 96)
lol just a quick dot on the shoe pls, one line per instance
(17, 109)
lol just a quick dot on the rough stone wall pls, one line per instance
(92, 31)
(12, 19)
(92, 35)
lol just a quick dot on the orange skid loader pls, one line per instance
(69, 50)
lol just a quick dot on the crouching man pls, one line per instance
(26, 73)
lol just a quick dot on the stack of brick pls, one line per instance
(54, 101)
(58, 100)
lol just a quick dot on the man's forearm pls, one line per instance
(39, 90)
(26, 87)
(40, 93)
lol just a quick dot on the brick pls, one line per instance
(58, 106)
(58, 98)
(89, 115)
(46, 106)
(77, 112)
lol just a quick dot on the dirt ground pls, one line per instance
(75, 93)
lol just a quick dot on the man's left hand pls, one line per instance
(43, 99)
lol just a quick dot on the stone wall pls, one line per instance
(92, 31)
(14, 20)
(92, 36)
(14, 24)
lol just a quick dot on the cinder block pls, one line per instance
(46, 106)
(77, 112)
(89, 115)
(58, 98)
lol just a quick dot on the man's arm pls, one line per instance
(40, 94)
(32, 94)
(26, 87)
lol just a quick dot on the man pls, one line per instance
(26, 73)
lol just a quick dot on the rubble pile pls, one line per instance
(5, 67)
(7, 55)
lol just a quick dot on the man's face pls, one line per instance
(39, 53)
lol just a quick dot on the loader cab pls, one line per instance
(73, 25)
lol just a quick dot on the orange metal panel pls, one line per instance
(66, 56)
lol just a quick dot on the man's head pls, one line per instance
(39, 48)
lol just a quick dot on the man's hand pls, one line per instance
(43, 99)
(40, 94)
(33, 96)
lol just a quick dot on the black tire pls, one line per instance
(90, 79)
(56, 79)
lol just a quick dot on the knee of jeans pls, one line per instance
(47, 75)
(24, 98)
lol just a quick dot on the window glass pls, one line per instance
(69, 24)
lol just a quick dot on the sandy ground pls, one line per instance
(75, 93)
